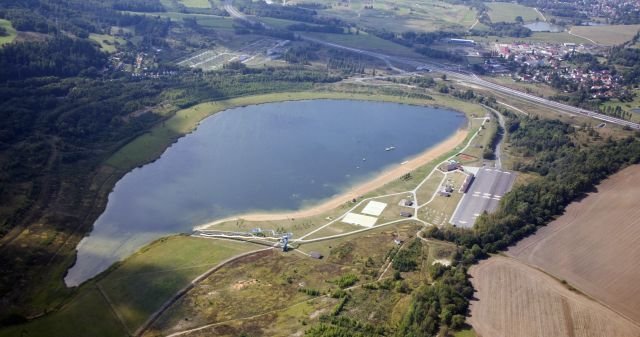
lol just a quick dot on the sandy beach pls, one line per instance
(394, 172)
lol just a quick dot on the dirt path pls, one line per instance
(387, 176)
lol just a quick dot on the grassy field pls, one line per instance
(440, 210)
(267, 288)
(607, 35)
(403, 15)
(429, 187)
(107, 42)
(136, 288)
(10, 30)
(507, 12)
(196, 3)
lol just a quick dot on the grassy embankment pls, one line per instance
(11, 32)
(136, 288)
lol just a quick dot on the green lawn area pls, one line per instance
(137, 287)
(507, 12)
(107, 42)
(607, 35)
(10, 30)
(196, 3)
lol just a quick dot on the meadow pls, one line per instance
(607, 35)
(11, 32)
(507, 12)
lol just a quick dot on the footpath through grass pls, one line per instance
(136, 288)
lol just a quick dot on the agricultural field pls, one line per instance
(122, 298)
(196, 3)
(10, 31)
(607, 35)
(514, 299)
(403, 15)
(507, 12)
(594, 245)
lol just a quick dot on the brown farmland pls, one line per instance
(595, 245)
(515, 300)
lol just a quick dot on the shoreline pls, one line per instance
(388, 175)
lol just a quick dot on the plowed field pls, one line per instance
(595, 245)
(518, 300)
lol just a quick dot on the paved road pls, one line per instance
(483, 195)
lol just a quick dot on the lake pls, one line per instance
(276, 156)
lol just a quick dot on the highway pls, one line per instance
(457, 74)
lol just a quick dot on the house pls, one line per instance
(408, 203)
(444, 193)
(406, 214)
(315, 255)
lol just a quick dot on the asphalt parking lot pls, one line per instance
(484, 194)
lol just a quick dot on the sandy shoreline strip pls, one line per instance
(394, 172)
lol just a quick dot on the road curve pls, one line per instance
(460, 75)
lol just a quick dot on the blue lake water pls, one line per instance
(277, 156)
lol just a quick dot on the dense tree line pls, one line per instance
(440, 54)
(78, 17)
(138, 5)
(439, 306)
(26, 20)
(504, 29)
(60, 56)
(411, 38)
